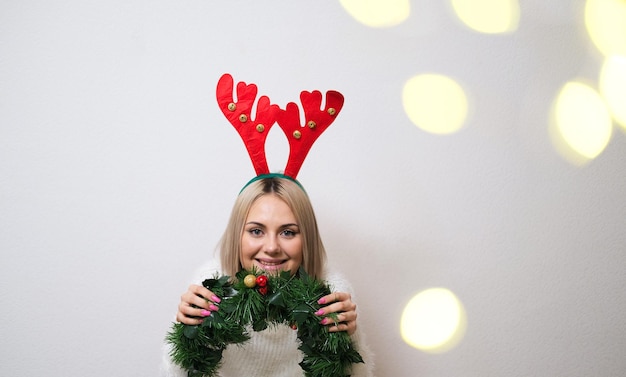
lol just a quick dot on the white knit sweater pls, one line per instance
(274, 351)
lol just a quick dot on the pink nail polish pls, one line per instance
(321, 301)
(324, 321)
(205, 313)
(216, 299)
(320, 312)
(213, 308)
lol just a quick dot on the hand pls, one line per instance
(341, 303)
(196, 303)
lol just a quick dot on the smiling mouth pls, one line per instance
(270, 265)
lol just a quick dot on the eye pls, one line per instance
(289, 233)
(255, 232)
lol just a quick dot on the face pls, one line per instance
(271, 239)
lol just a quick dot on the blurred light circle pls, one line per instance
(488, 16)
(606, 24)
(613, 87)
(433, 320)
(435, 103)
(378, 13)
(582, 119)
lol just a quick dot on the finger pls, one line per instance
(193, 316)
(349, 327)
(197, 311)
(344, 317)
(334, 297)
(347, 316)
(206, 294)
(338, 327)
(188, 299)
(195, 304)
(200, 297)
(188, 320)
(338, 307)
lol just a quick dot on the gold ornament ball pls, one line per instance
(249, 281)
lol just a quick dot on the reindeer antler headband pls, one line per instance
(254, 132)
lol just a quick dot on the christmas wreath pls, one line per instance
(256, 301)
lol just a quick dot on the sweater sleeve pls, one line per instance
(168, 368)
(338, 283)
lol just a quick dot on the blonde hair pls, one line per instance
(313, 252)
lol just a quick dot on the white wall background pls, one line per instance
(117, 173)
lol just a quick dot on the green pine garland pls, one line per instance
(260, 302)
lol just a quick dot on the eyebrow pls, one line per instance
(263, 225)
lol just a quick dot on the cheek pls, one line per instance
(247, 249)
(296, 251)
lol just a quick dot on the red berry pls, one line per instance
(263, 290)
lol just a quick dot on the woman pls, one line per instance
(273, 228)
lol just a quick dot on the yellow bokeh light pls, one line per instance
(488, 16)
(435, 103)
(606, 24)
(433, 321)
(378, 13)
(613, 87)
(582, 120)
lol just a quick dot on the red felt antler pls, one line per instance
(253, 132)
(301, 138)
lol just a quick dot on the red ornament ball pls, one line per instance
(263, 290)
(261, 280)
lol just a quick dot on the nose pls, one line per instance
(271, 245)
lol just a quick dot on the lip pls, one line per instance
(271, 264)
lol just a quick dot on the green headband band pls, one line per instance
(272, 175)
